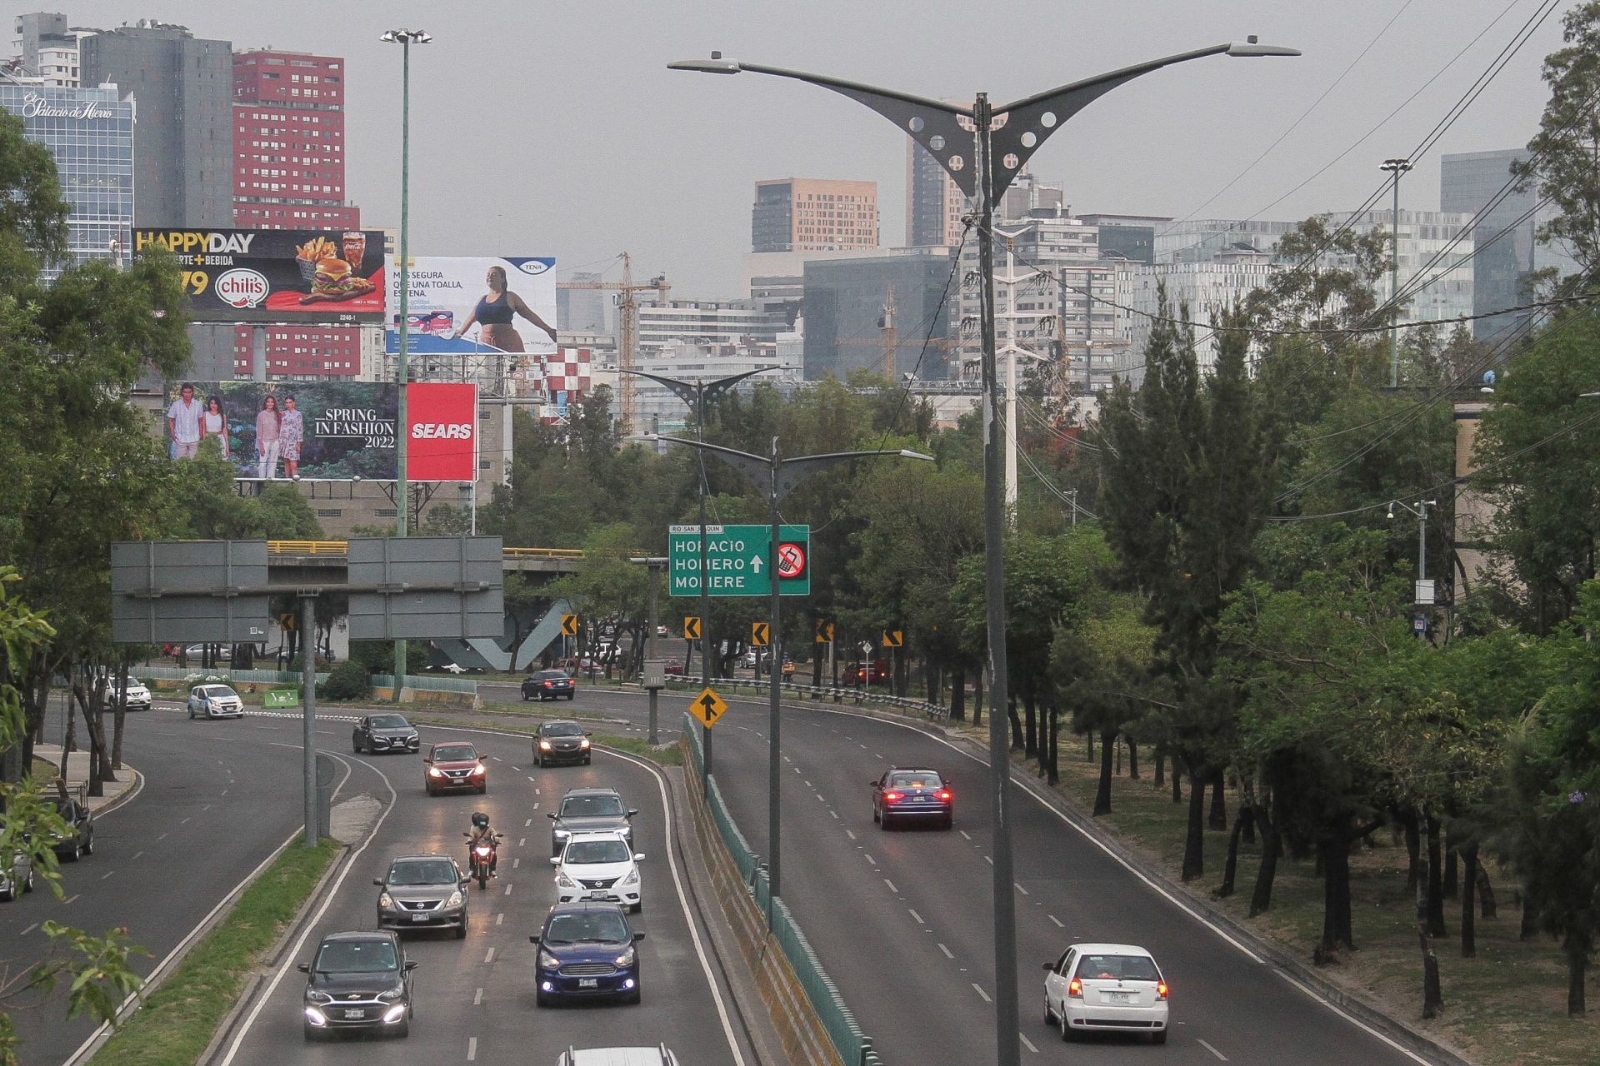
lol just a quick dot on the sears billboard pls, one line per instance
(322, 277)
(475, 305)
(324, 430)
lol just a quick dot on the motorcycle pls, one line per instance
(481, 859)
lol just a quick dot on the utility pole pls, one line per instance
(1396, 167)
(1424, 588)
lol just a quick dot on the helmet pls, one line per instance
(480, 819)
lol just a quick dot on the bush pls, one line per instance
(349, 681)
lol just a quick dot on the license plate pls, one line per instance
(588, 982)
(1119, 997)
(353, 1014)
(419, 917)
(601, 894)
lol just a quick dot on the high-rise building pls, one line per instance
(1504, 233)
(885, 312)
(90, 134)
(814, 214)
(183, 155)
(288, 128)
(582, 310)
(47, 48)
(1130, 237)
(934, 202)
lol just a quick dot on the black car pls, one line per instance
(558, 742)
(586, 951)
(380, 733)
(79, 837)
(548, 685)
(358, 981)
(589, 810)
(913, 794)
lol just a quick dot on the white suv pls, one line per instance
(660, 1055)
(599, 866)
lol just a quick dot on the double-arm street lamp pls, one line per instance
(1000, 141)
(698, 394)
(776, 476)
(402, 488)
(1396, 167)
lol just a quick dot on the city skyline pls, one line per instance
(583, 159)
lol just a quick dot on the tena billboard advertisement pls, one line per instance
(471, 305)
(325, 430)
(263, 275)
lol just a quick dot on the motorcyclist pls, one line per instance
(482, 834)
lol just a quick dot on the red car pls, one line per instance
(454, 766)
(867, 673)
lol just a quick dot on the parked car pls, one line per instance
(198, 651)
(379, 733)
(599, 866)
(558, 742)
(1106, 988)
(423, 892)
(586, 951)
(215, 701)
(18, 878)
(548, 685)
(454, 766)
(138, 694)
(358, 981)
(78, 840)
(868, 673)
(912, 794)
(587, 810)
(660, 1055)
(673, 667)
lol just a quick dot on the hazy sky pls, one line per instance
(556, 129)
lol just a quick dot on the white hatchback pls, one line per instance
(1106, 988)
(599, 866)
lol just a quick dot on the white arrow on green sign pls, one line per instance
(738, 560)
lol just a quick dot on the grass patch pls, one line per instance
(1505, 1007)
(179, 1019)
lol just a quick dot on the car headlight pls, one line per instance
(548, 961)
(479, 770)
(584, 743)
(318, 997)
(627, 957)
(393, 993)
(454, 900)
(632, 877)
(434, 771)
(564, 881)
(385, 900)
(562, 834)
(544, 745)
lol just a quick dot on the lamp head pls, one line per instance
(907, 453)
(1253, 49)
(405, 37)
(1391, 508)
(715, 65)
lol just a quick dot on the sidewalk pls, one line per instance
(128, 783)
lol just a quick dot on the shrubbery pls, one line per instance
(348, 681)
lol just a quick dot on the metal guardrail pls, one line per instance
(854, 694)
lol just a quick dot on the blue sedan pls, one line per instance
(586, 950)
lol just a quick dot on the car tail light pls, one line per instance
(891, 797)
(549, 684)
(946, 795)
(1161, 990)
(1075, 988)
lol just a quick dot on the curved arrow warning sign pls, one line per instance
(708, 706)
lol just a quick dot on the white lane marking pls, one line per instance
(184, 822)
(916, 917)
(988, 860)
(819, 797)
(835, 814)
(205, 808)
(849, 834)
(963, 832)
(472, 1048)
(524, 824)
(1053, 918)
(163, 836)
(1028, 1042)
(107, 874)
(514, 862)
(224, 792)
(316, 919)
(499, 918)
(1213, 1050)
(1024, 891)
(68, 900)
(136, 855)
(863, 747)
(535, 805)
(489, 957)
(496, 758)
(870, 859)
(508, 890)
(946, 952)
(890, 883)
(808, 784)
(976, 987)
(477, 997)
(30, 929)
(517, 769)
(523, 840)
(530, 776)
(875, 755)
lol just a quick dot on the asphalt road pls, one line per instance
(212, 808)
(475, 997)
(901, 920)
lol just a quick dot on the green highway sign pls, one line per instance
(739, 560)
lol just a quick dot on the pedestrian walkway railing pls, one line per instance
(853, 1046)
(854, 695)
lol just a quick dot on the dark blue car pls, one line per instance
(587, 950)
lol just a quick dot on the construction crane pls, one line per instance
(891, 335)
(627, 329)
(888, 340)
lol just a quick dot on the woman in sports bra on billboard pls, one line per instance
(495, 312)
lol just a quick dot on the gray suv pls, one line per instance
(590, 810)
(423, 892)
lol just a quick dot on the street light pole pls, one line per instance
(942, 129)
(1396, 167)
(697, 394)
(1422, 587)
(402, 488)
(777, 476)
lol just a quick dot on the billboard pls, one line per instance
(475, 305)
(325, 430)
(263, 275)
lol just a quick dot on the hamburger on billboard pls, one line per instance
(248, 275)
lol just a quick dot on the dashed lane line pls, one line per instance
(489, 957)
(1053, 918)
(976, 987)
(472, 1048)
(1024, 891)
(1213, 1050)
(477, 997)
(916, 917)
(947, 953)
(1028, 1042)
(890, 883)
(850, 834)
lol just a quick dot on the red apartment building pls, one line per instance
(288, 173)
